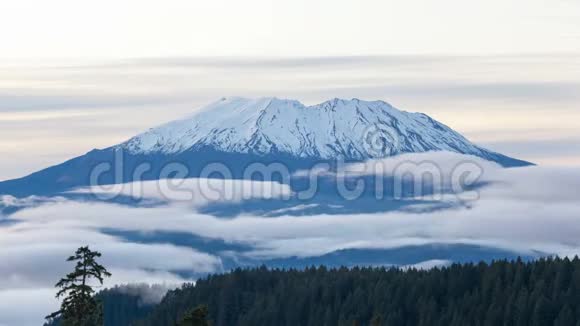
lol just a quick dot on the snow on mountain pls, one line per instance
(351, 129)
(239, 131)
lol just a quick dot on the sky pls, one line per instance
(135, 28)
(526, 106)
(78, 75)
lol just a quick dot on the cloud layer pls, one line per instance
(526, 210)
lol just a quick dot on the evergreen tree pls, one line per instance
(196, 317)
(542, 313)
(566, 317)
(79, 307)
(541, 292)
(377, 320)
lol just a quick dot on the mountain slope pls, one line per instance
(237, 132)
(350, 129)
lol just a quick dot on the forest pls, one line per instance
(518, 293)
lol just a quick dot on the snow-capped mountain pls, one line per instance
(350, 129)
(237, 132)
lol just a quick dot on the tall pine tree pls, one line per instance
(79, 307)
(196, 317)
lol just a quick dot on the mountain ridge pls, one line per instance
(350, 129)
(240, 131)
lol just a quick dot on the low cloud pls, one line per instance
(525, 210)
(430, 264)
(148, 293)
(195, 191)
(26, 307)
(33, 257)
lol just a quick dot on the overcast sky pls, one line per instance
(136, 28)
(526, 106)
(75, 75)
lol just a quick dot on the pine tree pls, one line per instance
(377, 320)
(501, 293)
(196, 317)
(566, 317)
(79, 307)
(542, 313)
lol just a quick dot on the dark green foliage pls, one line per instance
(196, 317)
(543, 292)
(120, 306)
(79, 307)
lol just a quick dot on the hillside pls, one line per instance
(543, 292)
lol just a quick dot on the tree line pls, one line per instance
(509, 293)
(516, 293)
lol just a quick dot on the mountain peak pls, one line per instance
(350, 129)
(238, 131)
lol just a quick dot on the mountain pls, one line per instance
(238, 131)
(350, 129)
